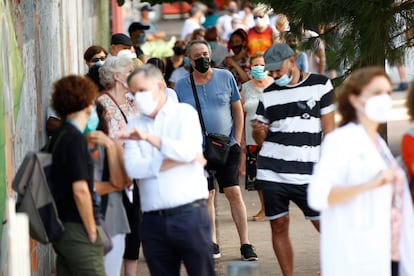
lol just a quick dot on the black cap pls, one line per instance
(137, 26)
(121, 38)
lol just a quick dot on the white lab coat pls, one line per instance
(356, 236)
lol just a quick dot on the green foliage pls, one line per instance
(159, 48)
(357, 33)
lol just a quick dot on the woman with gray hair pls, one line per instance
(122, 208)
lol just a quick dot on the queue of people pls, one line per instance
(130, 152)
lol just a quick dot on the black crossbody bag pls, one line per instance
(217, 146)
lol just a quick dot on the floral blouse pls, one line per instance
(113, 115)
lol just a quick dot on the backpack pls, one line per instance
(34, 189)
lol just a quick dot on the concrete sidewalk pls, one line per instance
(305, 240)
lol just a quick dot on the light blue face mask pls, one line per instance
(187, 61)
(141, 38)
(213, 45)
(98, 63)
(92, 123)
(284, 80)
(258, 72)
(152, 15)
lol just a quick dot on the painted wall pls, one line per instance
(40, 41)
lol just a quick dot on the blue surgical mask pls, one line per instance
(92, 123)
(187, 61)
(258, 72)
(213, 45)
(232, 10)
(141, 38)
(284, 80)
(98, 63)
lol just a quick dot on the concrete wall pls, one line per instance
(40, 41)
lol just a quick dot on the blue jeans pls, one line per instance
(168, 240)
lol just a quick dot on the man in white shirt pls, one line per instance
(164, 151)
(195, 20)
(223, 24)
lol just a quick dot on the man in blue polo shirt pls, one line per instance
(223, 113)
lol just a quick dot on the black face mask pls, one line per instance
(293, 46)
(202, 64)
(236, 49)
(179, 51)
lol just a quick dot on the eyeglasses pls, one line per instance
(257, 16)
(96, 59)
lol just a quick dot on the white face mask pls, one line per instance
(202, 19)
(260, 22)
(145, 102)
(377, 108)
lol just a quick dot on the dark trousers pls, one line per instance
(133, 211)
(168, 240)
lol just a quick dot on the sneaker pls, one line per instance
(247, 253)
(216, 251)
(402, 86)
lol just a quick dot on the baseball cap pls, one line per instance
(146, 7)
(275, 55)
(121, 38)
(137, 26)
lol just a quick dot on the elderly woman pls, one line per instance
(366, 212)
(80, 249)
(117, 107)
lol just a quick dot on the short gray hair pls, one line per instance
(112, 65)
(194, 42)
(150, 71)
(196, 7)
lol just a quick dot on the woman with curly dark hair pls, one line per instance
(80, 249)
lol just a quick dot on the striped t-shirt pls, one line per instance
(292, 144)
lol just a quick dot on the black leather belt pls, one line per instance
(178, 209)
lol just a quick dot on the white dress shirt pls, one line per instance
(178, 127)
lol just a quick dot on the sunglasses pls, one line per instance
(96, 59)
(257, 16)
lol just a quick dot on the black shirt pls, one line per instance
(71, 162)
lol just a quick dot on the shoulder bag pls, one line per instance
(217, 146)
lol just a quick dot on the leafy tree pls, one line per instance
(359, 32)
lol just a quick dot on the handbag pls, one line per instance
(107, 239)
(216, 145)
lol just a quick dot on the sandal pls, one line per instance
(259, 216)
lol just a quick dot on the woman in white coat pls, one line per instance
(366, 215)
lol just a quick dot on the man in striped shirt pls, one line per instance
(293, 114)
